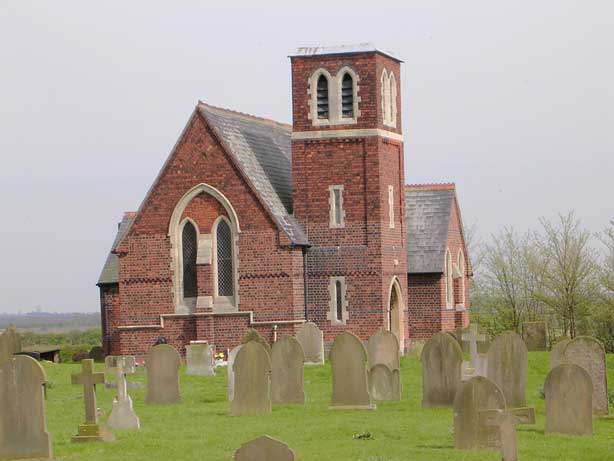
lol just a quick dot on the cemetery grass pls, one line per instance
(200, 428)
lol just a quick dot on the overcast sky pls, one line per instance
(512, 100)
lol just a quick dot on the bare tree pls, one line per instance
(570, 282)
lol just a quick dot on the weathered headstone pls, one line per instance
(569, 401)
(96, 354)
(557, 353)
(230, 373)
(123, 415)
(90, 430)
(589, 354)
(383, 347)
(482, 345)
(384, 383)
(264, 448)
(252, 382)
(441, 370)
(505, 422)
(287, 359)
(507, 367)
(471, 339)
(348, 357)
(199, 359)
(23, 426)
(311, 339)
(535, 335)
(10, 343)
(162, 362)
(254, 335)
(474, 396)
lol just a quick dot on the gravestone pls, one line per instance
(535, 335)
(441, 370)
(505, 422)
(230, 373)
(569, 401)
(199, 359)
(264, 448)
(383, 347)
(254, 335)
(10, 343)
(162, 363)
(23, 426)
(482, 345)
(96, 354)
(474, 396)
(252, 369)
(122, 415)
(472, 339)
(384, 383)
(287, 371)
(557, 352)
(589, 354)
(348, 358)
(90, 430)
(507, 367)
(312, 340)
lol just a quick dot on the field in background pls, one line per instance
(51, 322)
(200, 428)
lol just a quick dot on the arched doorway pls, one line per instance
(396, 322)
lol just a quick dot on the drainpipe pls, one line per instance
(305, 299)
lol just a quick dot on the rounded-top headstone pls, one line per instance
(557, 352)
(254, 335)
(507, 367)
(569, 400)
(162, 363)
(441, 358)
(588, 353)
(287, 359)
(264, 448)
(348, 358)
(473, 396)
(10, 344)
(311, 339)
(383, 348)
(232, 356)
(252, 381)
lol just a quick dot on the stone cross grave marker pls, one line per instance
(569, 401)
(349, 359)
(477, 363)
(90, 430)
(287, 359)
(10, 344)
(507, 367)
(589, 354)
(312, 341)
(230, 372)
(123, 415)
(506, 421)
(441, 360)
(264, 448)
(252, 369)
(162, 364)
(23, 426)
(199, 359)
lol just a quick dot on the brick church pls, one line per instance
(253, 223)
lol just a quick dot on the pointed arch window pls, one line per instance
(189, 249)
(461, 270)
(224, 261)
(322, 97)
(347, 96)
(449, 280)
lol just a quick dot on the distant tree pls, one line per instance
(570, 283)
(602, 318)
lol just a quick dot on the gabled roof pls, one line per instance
(262, 150)
(110, 270)
(427, 216)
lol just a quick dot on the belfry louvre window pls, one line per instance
(347, 96)
(189, 248)
(225, 276)
(322, 97)
(338, 300)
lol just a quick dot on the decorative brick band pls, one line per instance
(351, 133)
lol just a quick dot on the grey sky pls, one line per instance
(512, 100)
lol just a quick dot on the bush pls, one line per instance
(74, 353)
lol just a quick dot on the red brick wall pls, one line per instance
(109, 302)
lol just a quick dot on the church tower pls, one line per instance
(347, 173)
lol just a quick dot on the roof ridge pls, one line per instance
(431, 186)
(245, 115)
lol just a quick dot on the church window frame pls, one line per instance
(336, 209)
(189, 300)
(338, 304)
(338, 114)
(388, 90)
(449, 274)
(461, 269)
(222, 300)
(391, 206)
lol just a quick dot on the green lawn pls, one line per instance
(200, 428)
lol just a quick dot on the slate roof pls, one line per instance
(110, 270)
(427, 215)
(262, 149)
(342, 49)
